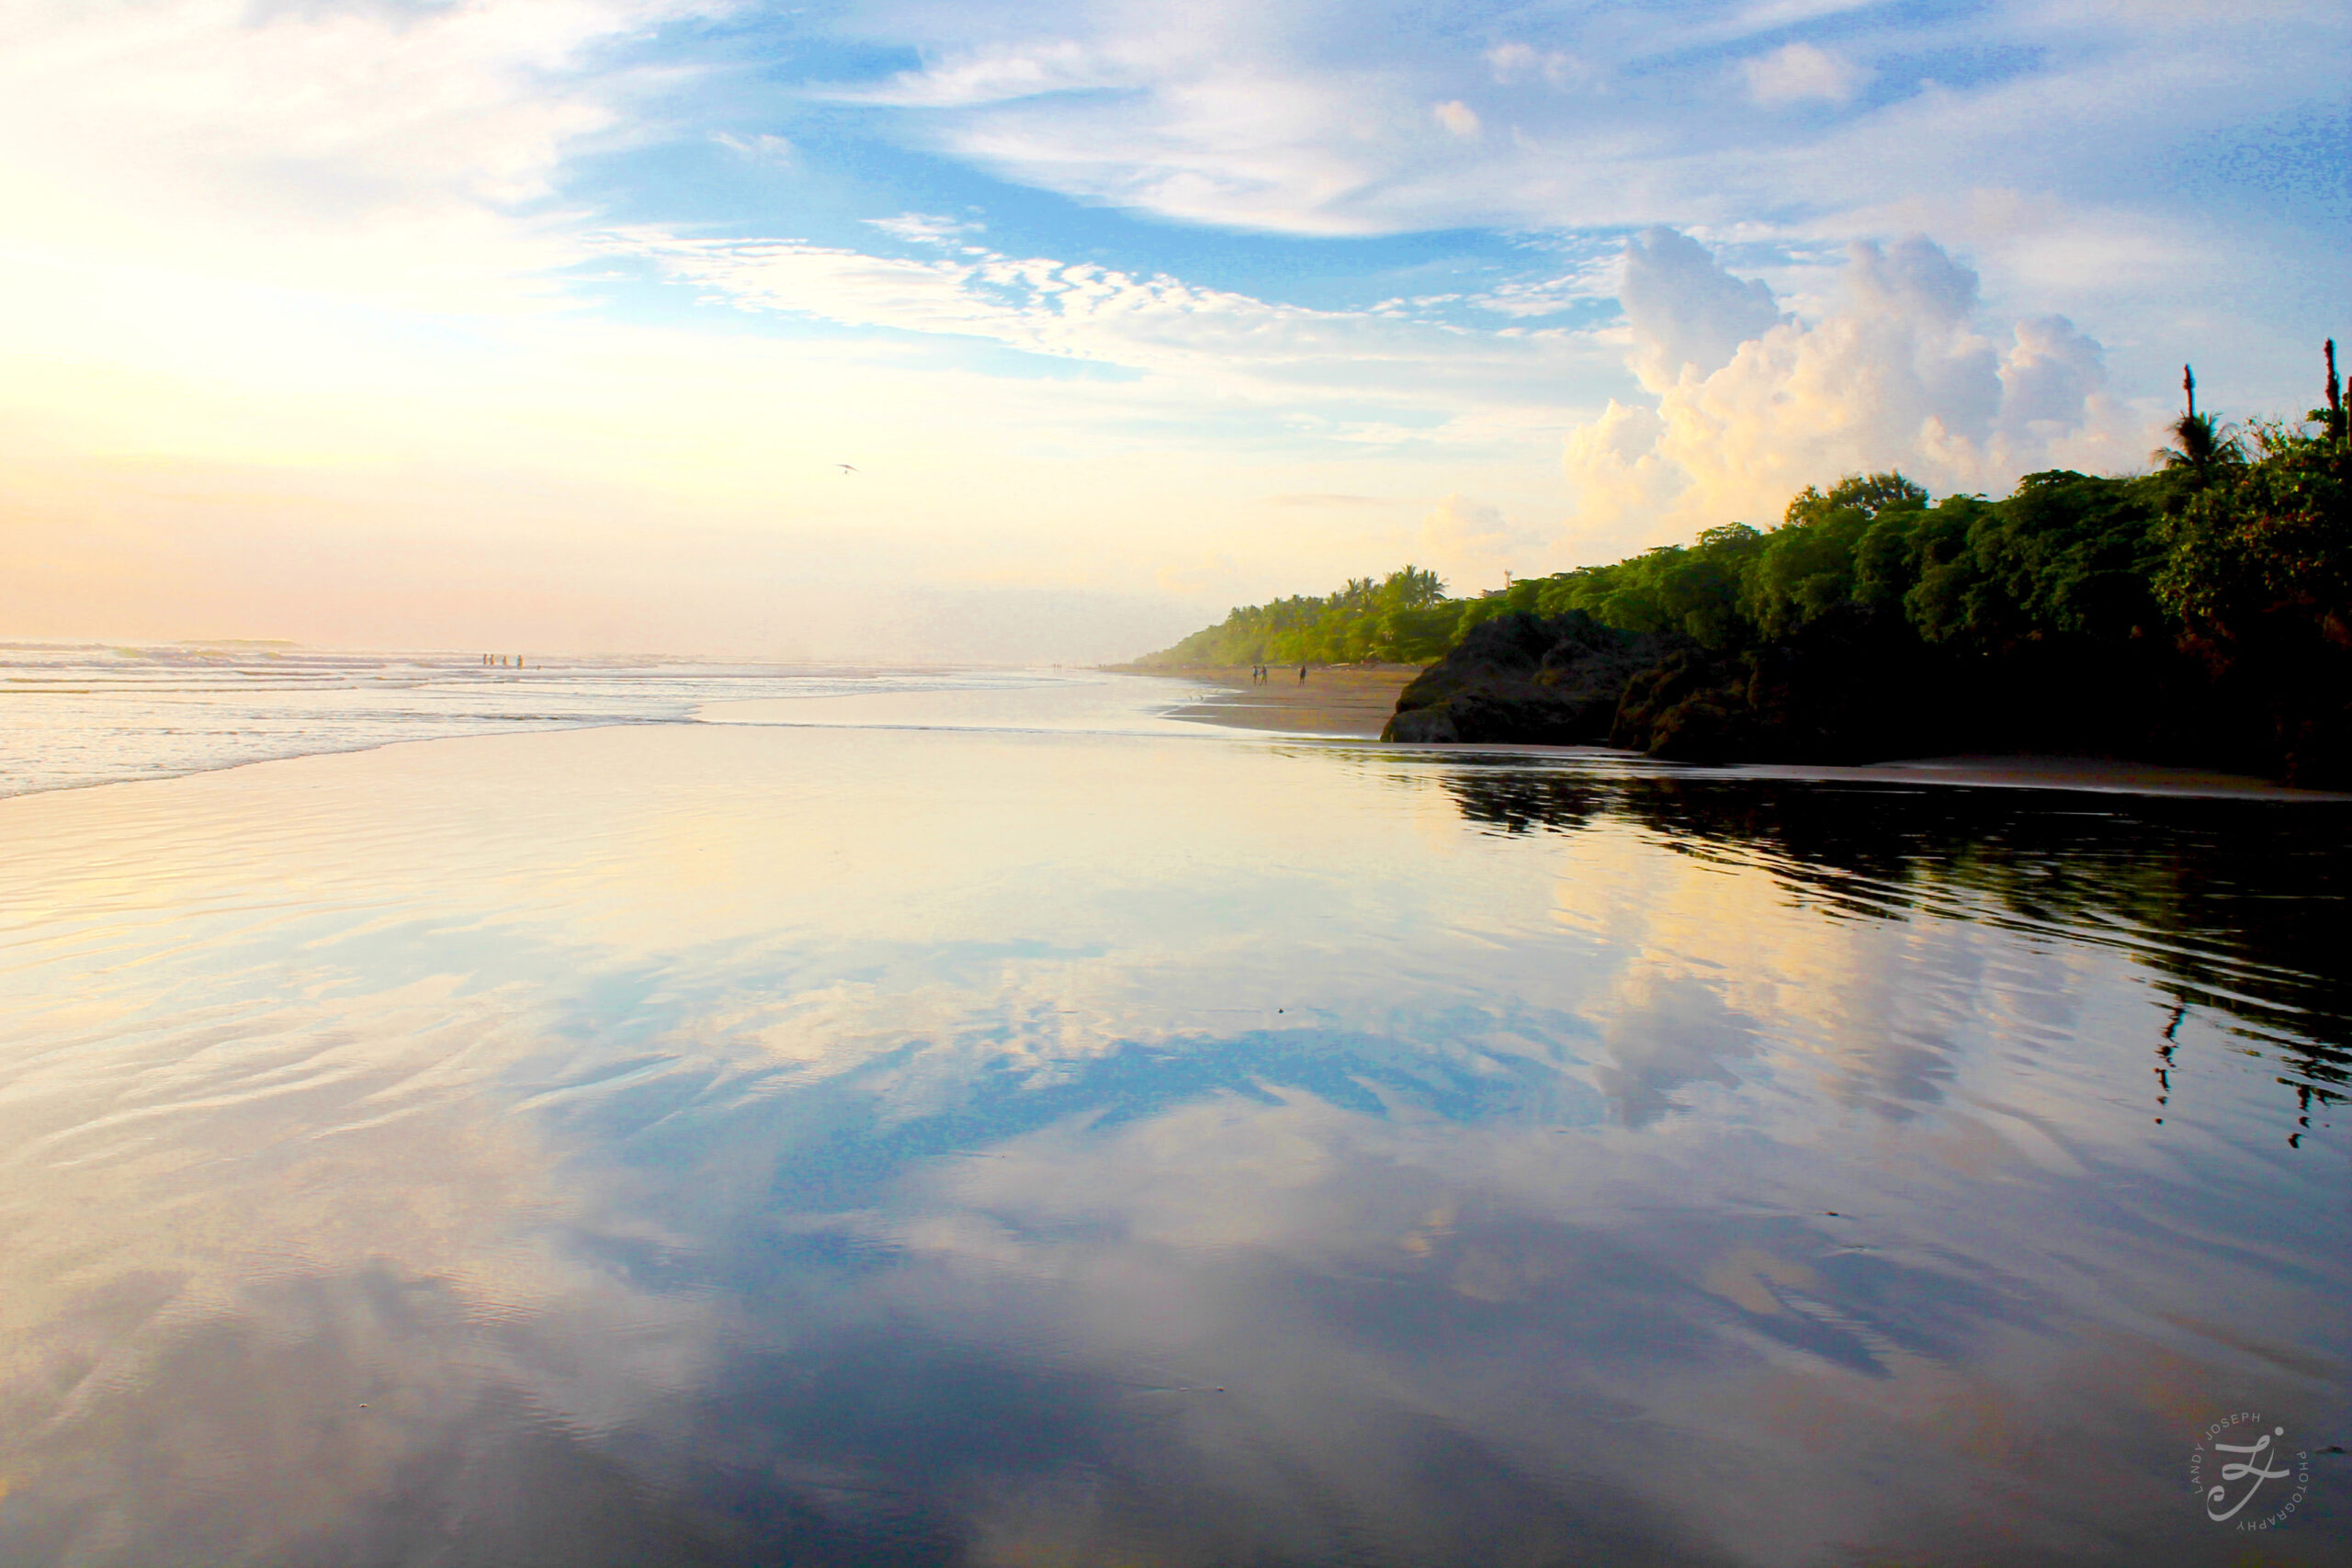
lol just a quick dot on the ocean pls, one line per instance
(73, 715)
(692, 1114)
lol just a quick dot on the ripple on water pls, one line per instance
(753, 1143)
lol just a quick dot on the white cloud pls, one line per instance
(1471, 544)
(369, 151)
(1685, 309)
(1230, 344)
(294, 337)
(1310, 119)
(1898, 374)
(1515, 62)
(2049, 376)
(1458, 119)
(344, 238)
(1799, 73)
(760, 148)
(1000, 76)
(925, 228)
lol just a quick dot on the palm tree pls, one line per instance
(2332, 417)
(2199, 444)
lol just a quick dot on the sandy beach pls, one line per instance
(1351, 701)
(683, 1126)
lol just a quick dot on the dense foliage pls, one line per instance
(1405, 616)
(2067, 553)
(2201, 612)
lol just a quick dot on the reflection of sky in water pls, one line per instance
(737, 1143)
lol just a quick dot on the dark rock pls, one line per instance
(1856, 686)
(1842, 691)
(1554, 681)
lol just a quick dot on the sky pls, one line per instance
(549, 325)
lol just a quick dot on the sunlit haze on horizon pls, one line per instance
(1012, 332)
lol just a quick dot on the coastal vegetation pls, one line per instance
(1404, 617)
(2200, 613)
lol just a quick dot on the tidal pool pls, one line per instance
(873, 1145)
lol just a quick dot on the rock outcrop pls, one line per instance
(1554, 681)
(1832, 695)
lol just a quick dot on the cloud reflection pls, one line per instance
(727, 1144)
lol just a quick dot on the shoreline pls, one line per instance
(1352, 702)
(1344, 702)
(2033, 771)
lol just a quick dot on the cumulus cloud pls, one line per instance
(1900, 372)
(1471, 543)
(2049, 376)
(1685, 309)
(1799, 73)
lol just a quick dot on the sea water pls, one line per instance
(73, 715)
(1001, 1126)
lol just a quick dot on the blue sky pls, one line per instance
(451, 321)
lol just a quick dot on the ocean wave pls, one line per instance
(78, 715)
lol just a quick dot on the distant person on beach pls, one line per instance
(1301, 674)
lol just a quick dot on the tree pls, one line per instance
(2199, 446)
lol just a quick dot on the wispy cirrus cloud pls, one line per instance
(1005, 73)
(1232, 343)
(1302, 120)
(1800, 72)
(927, 228)
(337, 237)
(352, 148)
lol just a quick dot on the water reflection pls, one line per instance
(730, 1145)
(2219, 897)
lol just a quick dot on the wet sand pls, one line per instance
(2100, 774)
(1351, 702)
(849, 1139)
(2097, 776)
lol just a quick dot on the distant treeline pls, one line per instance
(1405, 616)
(2223, 580)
